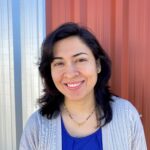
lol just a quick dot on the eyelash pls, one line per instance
(81, 60)
(76, 61)
(58, 64)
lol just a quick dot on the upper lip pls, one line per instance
(73, 82)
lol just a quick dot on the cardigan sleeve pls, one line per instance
(138, 136)
(29, 138)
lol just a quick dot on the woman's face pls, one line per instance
(74, 69)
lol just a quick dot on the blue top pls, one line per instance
(93, 141)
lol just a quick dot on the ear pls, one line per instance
(98, 65)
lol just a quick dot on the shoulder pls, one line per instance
(35, 118)
(120, 104)
(33, 124)
(30, 135)
(37, 131)
(126, 120)
(124, 108)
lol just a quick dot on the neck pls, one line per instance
(78, 107)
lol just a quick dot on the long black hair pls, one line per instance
(51, 100)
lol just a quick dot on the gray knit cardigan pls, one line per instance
(124, 132)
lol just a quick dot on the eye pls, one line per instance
(55, 64)
(81, 60)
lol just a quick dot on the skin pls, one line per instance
(74, 72)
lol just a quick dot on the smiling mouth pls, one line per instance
(74, 85)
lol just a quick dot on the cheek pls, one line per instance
(53, 73)
(89, 69)
(92, 71)
(56, 76)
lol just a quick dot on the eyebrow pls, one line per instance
(79, 54)
(75, 55)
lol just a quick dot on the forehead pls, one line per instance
(70, 46)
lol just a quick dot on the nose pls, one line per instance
(71, 71)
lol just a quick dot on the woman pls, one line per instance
(77, 110)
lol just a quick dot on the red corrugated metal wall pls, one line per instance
(123, 28)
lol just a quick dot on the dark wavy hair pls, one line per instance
(51, 100)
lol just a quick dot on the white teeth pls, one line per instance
(73, 85)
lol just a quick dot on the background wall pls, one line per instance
(123, 29)
(22, 29)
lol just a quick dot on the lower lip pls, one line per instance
(76, 87)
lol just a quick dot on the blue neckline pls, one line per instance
(97, 132)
